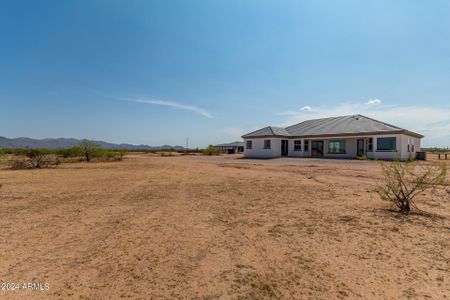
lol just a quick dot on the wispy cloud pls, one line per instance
(173, 104)
(294, 112)
(433, 122)
(373, 102)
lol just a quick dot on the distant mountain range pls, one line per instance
(60, 143)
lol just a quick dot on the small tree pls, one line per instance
(89, 149)
(122, 152)
(404, 181)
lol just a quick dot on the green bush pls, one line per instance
(74, 151)
(211, 150)
(89, 149)
(106, 154)
(122, 153)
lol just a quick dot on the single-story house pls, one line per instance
(338, 137)
(235, 147)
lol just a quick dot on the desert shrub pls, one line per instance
(74, 151)
(89, 149)
(403, 182)
(38, 158)
(411, 159)
(34, 159)
(121, 153)
(18, 164)
(12, 151)
(166, 153)
(211, 150)
(106, 154)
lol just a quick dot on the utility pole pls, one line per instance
(187, 145)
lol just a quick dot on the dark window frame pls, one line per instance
(269, 146)
(306, 145)
(370, 145)
(249, 143)
(394, 149)
(343, 151)
(296, 148)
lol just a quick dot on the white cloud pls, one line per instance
(177, 105)
(433, 122)
(294, 112)
(373, 102)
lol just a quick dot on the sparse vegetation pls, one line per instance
(74, 151)
(211, 150)
(89, 149)
(165, 153)
(30, 158)
(39, 158)
(227, 206)
(403, 182)
(122, 152)
(34, 159)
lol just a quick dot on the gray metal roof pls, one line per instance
(345, 125)
(268, 131)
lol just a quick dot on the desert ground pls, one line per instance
(196, 227)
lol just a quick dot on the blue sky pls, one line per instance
(156, 72)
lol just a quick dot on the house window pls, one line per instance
(297, 145)
(336, 147)
(412, 148)
(306, 146)
(387, 144)
(266, 144)
(370, 145)
(249, 145)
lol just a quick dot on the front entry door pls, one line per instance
(284, 147)
(317, 149)
(360, 147)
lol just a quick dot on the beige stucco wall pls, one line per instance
(351, 147)
(302, 153)
(402, 148)
(258, 148)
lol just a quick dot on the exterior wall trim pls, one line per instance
(356, 134)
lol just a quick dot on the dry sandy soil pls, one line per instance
(218, 228)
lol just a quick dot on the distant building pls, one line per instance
(235, 147)
(339, 137)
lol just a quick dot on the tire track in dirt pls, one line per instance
(96, 239)
(121, 237)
